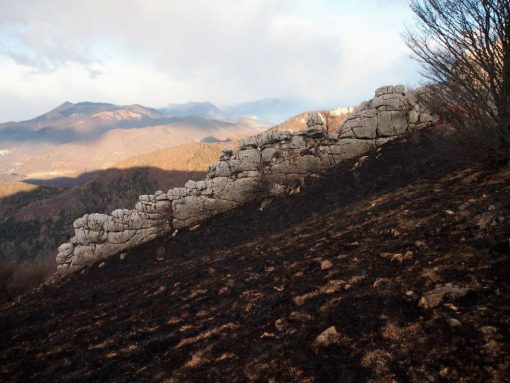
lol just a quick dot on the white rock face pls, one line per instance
(266, 164)
(390, 113)
(362, 125)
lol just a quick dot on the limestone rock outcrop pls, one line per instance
(268, 163)
(390, 113)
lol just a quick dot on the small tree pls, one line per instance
(464, 48)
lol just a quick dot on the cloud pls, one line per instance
(159, 51)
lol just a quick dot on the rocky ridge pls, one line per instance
(272, 162)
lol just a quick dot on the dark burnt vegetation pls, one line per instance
(243, 297)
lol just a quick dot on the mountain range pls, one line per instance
(77, 138)
(76, 157)
(70, 122)
(379, 268)
(269, 110)
(71, 159)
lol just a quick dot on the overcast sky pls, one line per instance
(153, 52)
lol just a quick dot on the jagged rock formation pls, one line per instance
(269, 163)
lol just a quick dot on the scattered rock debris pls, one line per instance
(435, 297)
(243, 299)
(327, 337)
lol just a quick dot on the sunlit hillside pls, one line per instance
(9, 188)
(73, 159)
(35, 219)
(188, 157)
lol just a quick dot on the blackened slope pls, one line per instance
(204, 306)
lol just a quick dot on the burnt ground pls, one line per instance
(243, 297)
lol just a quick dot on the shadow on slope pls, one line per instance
(34, 223)
(242, 297)
(62, 182)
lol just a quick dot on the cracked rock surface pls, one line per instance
(267, 164)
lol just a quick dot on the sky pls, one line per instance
(328, 53)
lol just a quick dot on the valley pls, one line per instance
(255, 191)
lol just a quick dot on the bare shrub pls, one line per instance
(333, 122)
(461, 135)
(464, 48)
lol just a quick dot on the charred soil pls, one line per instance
(243, 297)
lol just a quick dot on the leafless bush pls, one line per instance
(464, 47)
(462, 136)
(333, 122)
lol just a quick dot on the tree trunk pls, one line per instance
(506, 147)
(505, 110)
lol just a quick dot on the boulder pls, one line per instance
(436, 297)
(269, 137)
(97, 221)
(308, 164)
(65, 253)
(115, 223)
(362, 106)
(217, 185)
(250, 142)
(222, 169)
(82, 255)
(297, 141)
(81, 222)
(390, 101)
(360, 125)
(390, 89)
(327, 338)
(164, 207)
